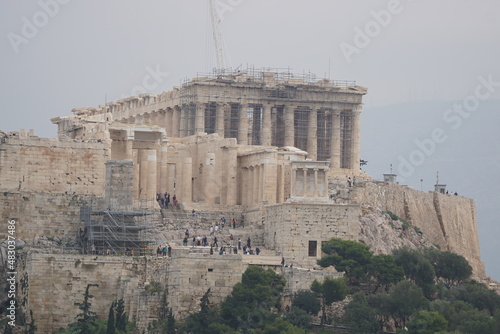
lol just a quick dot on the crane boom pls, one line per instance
(219, 42)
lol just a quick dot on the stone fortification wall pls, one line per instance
(191, 275)
(448, 221)
(294, 228)
(40, 214)
(56, 282)
(52, 165)
(301, 279)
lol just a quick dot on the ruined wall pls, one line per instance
(52, 165)
(56, 282)
(191, 275)
(448, 221)
(40, 214)
(290, 227)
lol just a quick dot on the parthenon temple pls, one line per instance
(256, 118)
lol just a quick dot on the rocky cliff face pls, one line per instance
(445, 221)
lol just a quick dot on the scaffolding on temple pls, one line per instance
(217, 89)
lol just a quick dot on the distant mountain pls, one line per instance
(420, 139)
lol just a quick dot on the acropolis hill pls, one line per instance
(271, 149)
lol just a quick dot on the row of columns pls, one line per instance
(253, 184)
(179, 123)
(320, 177)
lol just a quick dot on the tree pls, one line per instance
(426, 322)
(31, 328)
(170, 328)
(111, 320)
(278, 326)
(478, 296)
(417, 268)
(449, 267)
(121, 316)
(359, 317)
(299, 317)
(403, 300)
(306, 300)
(331, 290)
(86, 319)
(385, 271)
(200, 322)
(351, 257)
(250, 302)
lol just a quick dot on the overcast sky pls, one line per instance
(61, 54)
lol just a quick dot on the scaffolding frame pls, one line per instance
(251, 85)
(114, 232)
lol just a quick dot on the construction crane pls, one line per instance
(218, 40)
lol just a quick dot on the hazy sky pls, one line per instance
(61, 54)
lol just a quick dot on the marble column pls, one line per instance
(186, 193)
(137, 173)
(163, 179)
(129, 151)
(325, 189)
(293, 184)
(251, 186)
(355, 142)
(265, 132)
(232, 175)
(312, 135)
(199, 121)
(315, 182)
(210, 186)
(167, 120)
(151, 166)
(219, 119)
(336, 140)
(304, 189)
(243, 125)
(176, 120)
(289, 125)
(183, 131)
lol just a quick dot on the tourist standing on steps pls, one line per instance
(354, 181)
(158, 199)
(349, 182)
(239, 243)
(282, 261)
(249, 243)
(234, 223)
(174, 199)
(215, 242)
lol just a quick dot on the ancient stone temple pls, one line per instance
(256, 107)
